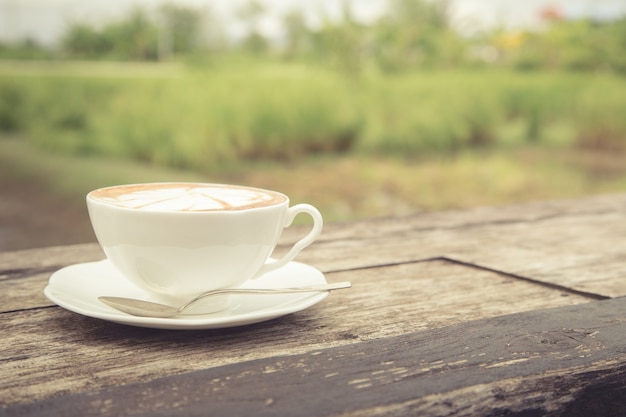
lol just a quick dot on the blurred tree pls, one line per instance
(251, 13)
(137, 36)
(180, 29)
(340, 42)
(411, 34)
(133, 38)
(579, 45)
(417, 33)
(297, 34)
(616, 48)
(84, 42)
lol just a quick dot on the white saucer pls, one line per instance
(77, 288)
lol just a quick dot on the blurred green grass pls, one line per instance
(347, 187)
(357, 146)
(214, 117)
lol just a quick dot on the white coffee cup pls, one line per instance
(176, 240)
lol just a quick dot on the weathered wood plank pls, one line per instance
(51, 351)
(401, 301)
(542, 241)
(471, 218)
(577, 243)
(585, 252)
(25, 273)
(21, 292)
(545, 362)
(47, 258)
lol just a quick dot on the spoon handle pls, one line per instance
(311, 288)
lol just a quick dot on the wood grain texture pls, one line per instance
(545, 362)
(55, 351)
(579, 244)
(49, 258)
(446, 316)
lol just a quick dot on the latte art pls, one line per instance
(187, 197)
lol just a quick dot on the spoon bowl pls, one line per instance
(142, 308)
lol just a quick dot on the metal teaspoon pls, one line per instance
(143, 308)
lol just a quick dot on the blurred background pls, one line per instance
(362, 108)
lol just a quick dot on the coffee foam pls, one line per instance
(186, 197)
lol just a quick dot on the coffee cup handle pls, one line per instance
(292, 212)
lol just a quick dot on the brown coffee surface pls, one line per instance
(187, 197)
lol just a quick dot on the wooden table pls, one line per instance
(509, 310)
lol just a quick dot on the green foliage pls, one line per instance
(196, 121)
(415, 34)
(436, 112)
(207, 118)
(600, 117)
(579, 45)
(12, 103)
(137, 37)
(409, 35)
(181, 26)
(26, 49)
(405, 85)
(133, 38)
(58, 114)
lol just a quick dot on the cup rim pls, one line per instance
(93, 200)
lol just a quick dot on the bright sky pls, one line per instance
(45, 20)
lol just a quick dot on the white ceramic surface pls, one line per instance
(77, 288)
(176, 253)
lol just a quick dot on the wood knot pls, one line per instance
(550, 341)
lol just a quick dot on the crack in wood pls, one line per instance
(12, 274)
(550, 285)
(21, 310)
